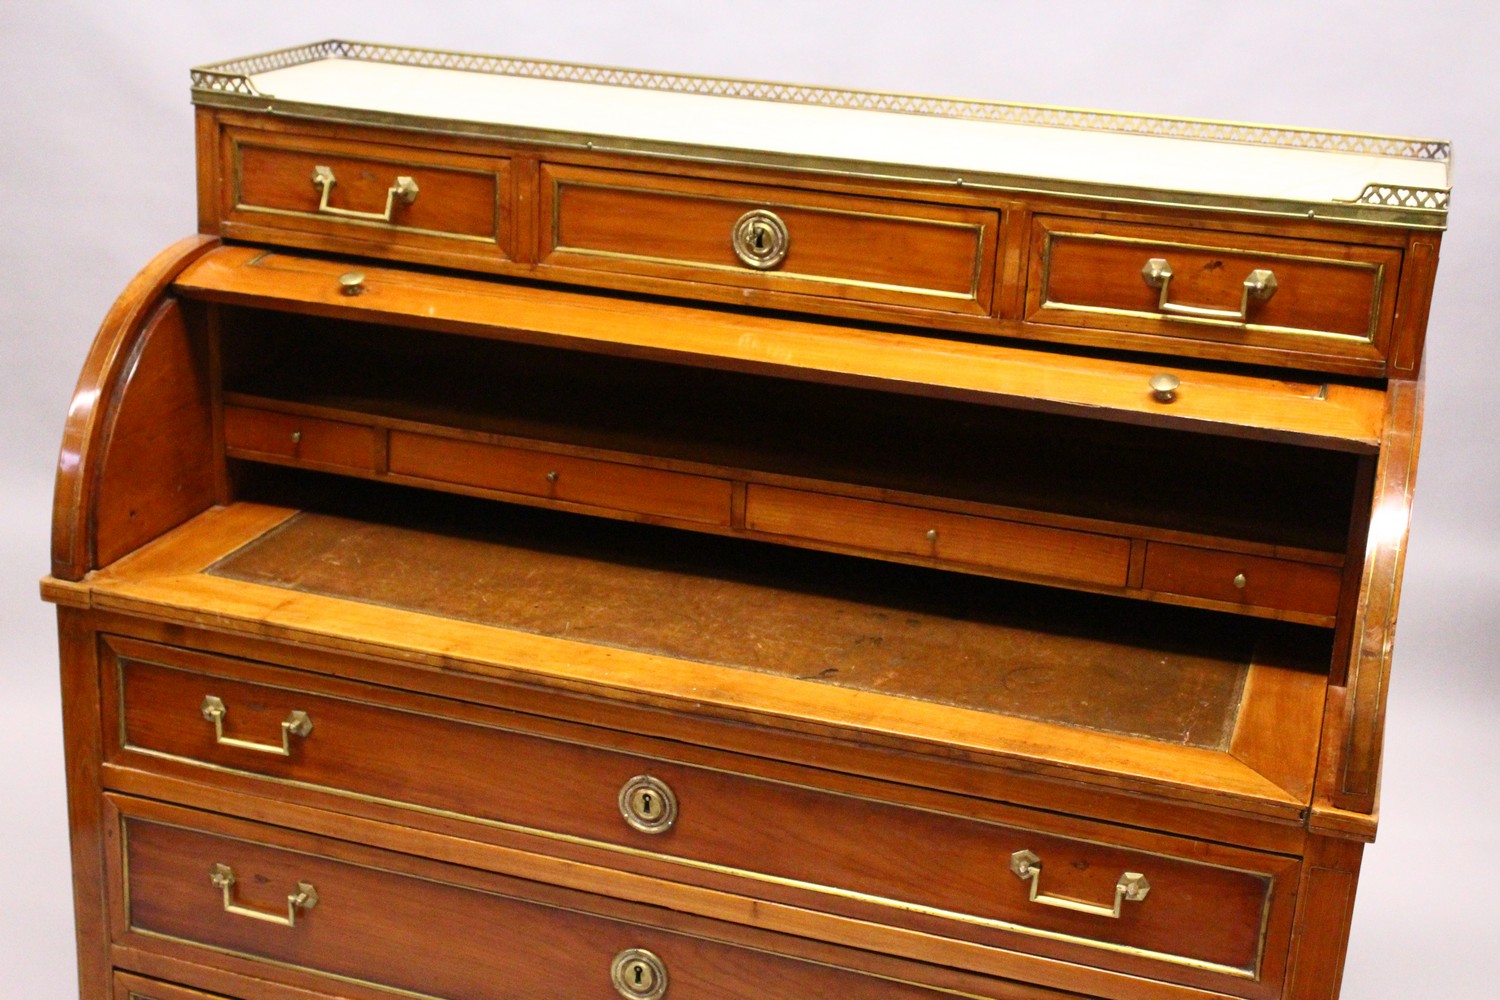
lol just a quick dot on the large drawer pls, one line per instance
(316, 912)
(1212, 915)
(365, 198)
(787, 242)
(1216, 293)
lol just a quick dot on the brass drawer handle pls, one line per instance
(405, 190)
(638, 975)
(297, 723)
(760, 239)
(305, 898)
(1132, 887)
(1259, 285)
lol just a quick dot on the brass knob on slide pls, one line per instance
(1164, 387)
(352, 282)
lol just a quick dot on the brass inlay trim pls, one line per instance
(228, 85)
(979, 229)
(238, 144)
(861, 897)
(1045, 301)
(126, 819)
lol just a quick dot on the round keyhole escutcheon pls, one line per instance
(760, 239)
(638, 975)
(648, 804)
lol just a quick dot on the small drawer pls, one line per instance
(563, 478)
(792, 244)
(364, 197)
(291, 907)
(945, 873)
(1234, 295)
(1251, 581)
(1006, 547)
(312, 442)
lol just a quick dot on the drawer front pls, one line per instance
(563, 478)
(313, 442)
(303, 905)
(1324, 302)
(452, 207)
(1252, 581)
(857, 249)
(1024, 550)
(1213, 915)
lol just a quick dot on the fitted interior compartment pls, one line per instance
(1233, 490)
(1175, 675)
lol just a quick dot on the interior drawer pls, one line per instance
(1242, 295)
(450, 208)
(313, 442)
(564, 478)
(1024, 550)
(1213, 916)
(289, 906)
(1232, 578)
(778, 240)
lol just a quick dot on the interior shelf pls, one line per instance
(1010, 493)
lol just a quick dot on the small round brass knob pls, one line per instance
(552, 476)
(1240, 581)
(1164, 387)
(296, 437)
(932, 534)
(352, 282)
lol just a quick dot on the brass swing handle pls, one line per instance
(297, 723)
(1259, 285)
(1132, 887)
(405, 189)
(305, 898)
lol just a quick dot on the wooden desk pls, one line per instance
(564, 531)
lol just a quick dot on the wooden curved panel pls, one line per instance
(93, 419)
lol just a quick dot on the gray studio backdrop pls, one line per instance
(96, 176)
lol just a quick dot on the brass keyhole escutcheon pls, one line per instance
(638, 975)
(760, 239)
(647, 804)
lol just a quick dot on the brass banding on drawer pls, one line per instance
(1262, 298)
(880, 251)
(536, 940)
(366, 197)
(771, 834)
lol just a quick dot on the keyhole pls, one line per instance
(648, 810)
(640, 975)
(760, 238)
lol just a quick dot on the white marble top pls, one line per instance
(1166, 163)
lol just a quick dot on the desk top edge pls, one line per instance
(1356, 177)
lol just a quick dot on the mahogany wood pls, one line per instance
(1332, 301)
(1333, 416)
(80, 464)
(924, 256)
(534, 197)
(438, 510)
